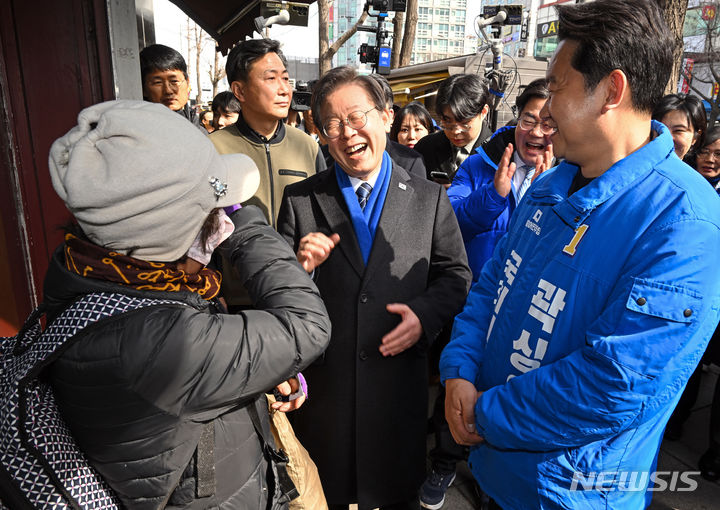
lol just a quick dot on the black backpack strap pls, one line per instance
(278, 457)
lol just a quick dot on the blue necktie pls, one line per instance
(363, 192)
(527, 181)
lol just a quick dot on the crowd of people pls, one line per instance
(556, 275)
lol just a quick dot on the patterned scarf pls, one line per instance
(93, 261)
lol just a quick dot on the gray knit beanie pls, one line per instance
(138, 176)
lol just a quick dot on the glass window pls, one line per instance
(545, 47)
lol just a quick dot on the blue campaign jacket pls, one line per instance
(483, 215)
(584, 327)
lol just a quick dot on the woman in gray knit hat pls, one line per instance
(164, 400)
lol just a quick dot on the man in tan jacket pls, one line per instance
(256, 70)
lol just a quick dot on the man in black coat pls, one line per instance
(461, 105)
(386, 253)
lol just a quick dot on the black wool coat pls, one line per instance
(438, 152)
(364, 423)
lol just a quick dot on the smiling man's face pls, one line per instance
(266, 94)
(531, 143)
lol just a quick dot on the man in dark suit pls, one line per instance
(461, 105)
(386, 253)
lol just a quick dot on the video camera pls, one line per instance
(388, 5)
(380, 56)
(513, 14)
(301, 97)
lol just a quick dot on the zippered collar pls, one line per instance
(634, 167)
(255, 137)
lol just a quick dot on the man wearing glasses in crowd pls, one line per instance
(165, 80)
(488, 185)
(462, 106)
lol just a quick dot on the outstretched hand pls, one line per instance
(314, 249)
(504, 173)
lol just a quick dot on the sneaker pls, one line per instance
(432, 492)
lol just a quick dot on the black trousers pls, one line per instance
(446, 453)
(687, 400)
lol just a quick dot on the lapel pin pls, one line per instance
(402, 186)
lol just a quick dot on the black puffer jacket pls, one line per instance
(137, 389)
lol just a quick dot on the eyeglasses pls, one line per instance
(160, 83)
(547, 125)
(356, 120)
(706, 153)
(463, 127)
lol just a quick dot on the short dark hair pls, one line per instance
(245, 53)
(225, 102)
(628, 35)
(712, 136)
(158, 57)
(693, 109)
(465, 94)
(418, 111)
(535, 89)
(336, 78)
(387, 90)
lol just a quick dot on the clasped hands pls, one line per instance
(460, 399)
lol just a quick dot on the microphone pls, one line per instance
(281, 18)
(498, 18)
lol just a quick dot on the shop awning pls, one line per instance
(407, 88)
(226, 21)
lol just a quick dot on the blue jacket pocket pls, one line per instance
(665, 301)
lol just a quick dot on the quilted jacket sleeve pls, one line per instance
(213, 361)
(637, 356)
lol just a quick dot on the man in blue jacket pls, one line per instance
(484, 196)
(582, 330)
